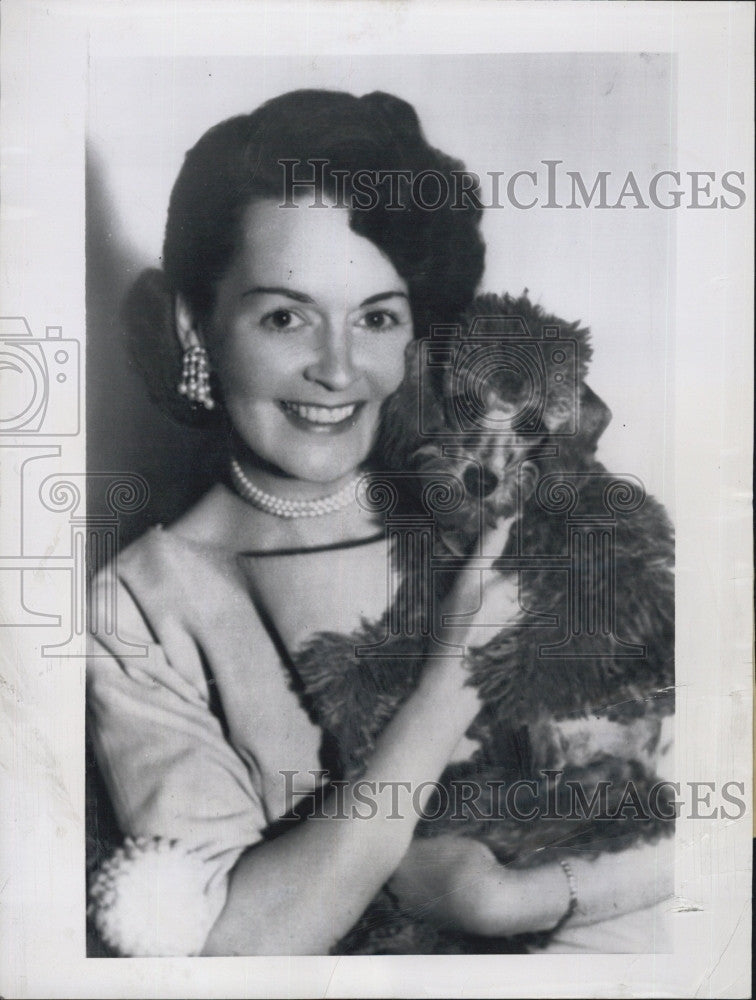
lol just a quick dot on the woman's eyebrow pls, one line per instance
(383, 295)
(302, 297)
(276, 290)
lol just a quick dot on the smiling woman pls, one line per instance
(291, 324)
(307, 337)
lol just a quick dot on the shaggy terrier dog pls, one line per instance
(494, 419)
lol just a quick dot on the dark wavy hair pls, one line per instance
(437, 251)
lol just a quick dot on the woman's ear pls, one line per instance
(187, 327)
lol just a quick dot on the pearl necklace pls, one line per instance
(280, 507)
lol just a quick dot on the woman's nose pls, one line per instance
(333, 367)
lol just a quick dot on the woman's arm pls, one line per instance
(457, 881)
(300, 893)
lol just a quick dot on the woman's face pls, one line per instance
(307, 339)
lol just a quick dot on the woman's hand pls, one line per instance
(479, 604)
(446, 879)
(457, 882)
(481, 601)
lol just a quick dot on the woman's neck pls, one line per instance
(273, 488)
(330, 512)
(222, 518)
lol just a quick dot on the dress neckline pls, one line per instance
(351, 543)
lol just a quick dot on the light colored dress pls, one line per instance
(199, 733)
(193, 737)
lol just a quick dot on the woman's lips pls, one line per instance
(322, 419)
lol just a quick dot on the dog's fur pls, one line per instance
(592, 718)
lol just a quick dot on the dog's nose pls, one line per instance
(475, 480)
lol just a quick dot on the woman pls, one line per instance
(291, 311)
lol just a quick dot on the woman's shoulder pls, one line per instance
(212, 523)
(206, 535)
(178, 570)
(164, 552)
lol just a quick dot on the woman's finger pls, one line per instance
(482, 600)
(493, 540)
(491, 544)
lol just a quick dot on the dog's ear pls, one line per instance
(593, 417)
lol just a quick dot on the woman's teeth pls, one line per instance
(322, 414)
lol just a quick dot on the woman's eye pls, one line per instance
(379, 319)
(282, 319)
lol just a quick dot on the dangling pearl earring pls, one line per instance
(195, 377)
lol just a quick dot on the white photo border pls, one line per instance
(46, 49)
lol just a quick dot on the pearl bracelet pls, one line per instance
(572, 905)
